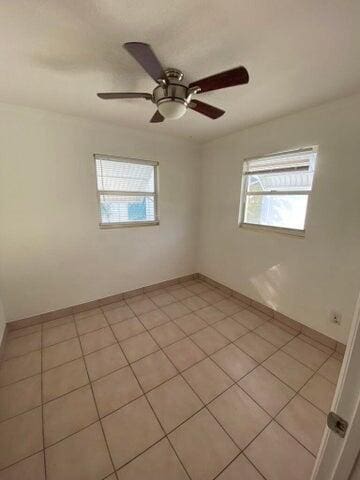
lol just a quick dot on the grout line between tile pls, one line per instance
(273, 418)
(96, 406)
(242, 451)
(74, 433)
(253, 464)
(42, 403)
(22, 459)
(178, 373)
(287, 403)
(10, 338)
(161, 348)
(21, 355)
(195, 393)
(21, 379)
(236, 457)
(149, 404)
(21, 413)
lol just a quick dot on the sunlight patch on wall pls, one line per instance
(268, 285)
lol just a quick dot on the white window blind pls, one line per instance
(276, 189)
(127, 191)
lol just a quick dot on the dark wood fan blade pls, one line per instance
(143, 54)
(112, 95)
(206, 109)
(230, 78)
(157, 117)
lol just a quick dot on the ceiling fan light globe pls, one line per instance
(172, 110)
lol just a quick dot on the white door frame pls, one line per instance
(337, 455)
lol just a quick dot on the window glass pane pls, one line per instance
(125, 209)
(287, 211)
(123, 176)
(280, 182)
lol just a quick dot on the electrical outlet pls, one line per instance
(335, 317)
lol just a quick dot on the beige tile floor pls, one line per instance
(183, 382)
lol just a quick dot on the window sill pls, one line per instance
(267, 228)
(105, 226)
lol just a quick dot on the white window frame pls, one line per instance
(244, 193)
(155, 194)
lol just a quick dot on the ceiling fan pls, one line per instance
(171, 96)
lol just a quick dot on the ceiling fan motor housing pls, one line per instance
(172, 90)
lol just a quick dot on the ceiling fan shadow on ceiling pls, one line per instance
(172, 96)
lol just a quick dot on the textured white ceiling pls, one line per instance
(56, 54)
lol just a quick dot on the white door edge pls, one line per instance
(337, 455)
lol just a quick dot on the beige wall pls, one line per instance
(53, 252)
(355, 474)
(304, 278)
(2, 320)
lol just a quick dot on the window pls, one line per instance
(276, 190)
(127, 191)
